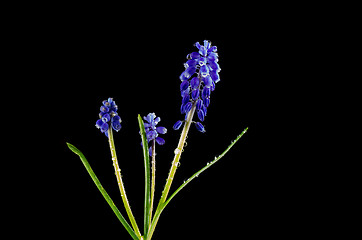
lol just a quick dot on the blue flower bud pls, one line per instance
(177, 125)
(204, 109)
(212, 87)
(207, 44)
(207, 81)
(191, 63)
(106, 103)
(206, 93)
(106, 117)
(202, 50)
(150, 118)
(215, 76)
(214, 66)
(193, 55)
(183, 76)
(197, 44)
(206, 102)
(204, 70)
(116, 119)
(212, 49)
(151, 135)
(160, 141)
(212, 56)
(199, 104)
(104, 127)
(195, 82)
(114, 107)
(186, 92)
(182, 108)
(157, 120)
(104, 109)
(201, 115)
(116, 125)
(202, 61)
(99, 123)
(200, 127)
(185, 99)
(184, 85)
(195, 94)
(161, 130)
(189, 72)
(188, 107)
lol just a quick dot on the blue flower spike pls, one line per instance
(108, 117)
(152, 131)
(198, 81)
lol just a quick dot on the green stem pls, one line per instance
(120, 183)
(172, 172)
(153, 181)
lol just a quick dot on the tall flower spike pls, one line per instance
(198, 81)
(108, 116)
(152, 131)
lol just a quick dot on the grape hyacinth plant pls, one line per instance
(197, 83)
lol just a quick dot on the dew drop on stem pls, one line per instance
(177, 151)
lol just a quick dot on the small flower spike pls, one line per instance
(152, 131)
(198, 81)
(108, 116)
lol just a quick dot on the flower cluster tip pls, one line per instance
(108, 116)
(198, 81)
(152, 132)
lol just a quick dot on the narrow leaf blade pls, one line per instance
(147, 204)
(204, 168)
(103, 191)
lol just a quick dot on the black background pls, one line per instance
(78, 58)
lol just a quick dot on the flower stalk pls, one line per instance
(178, 152)
(153, 180)
(172, 172)
(120, 183)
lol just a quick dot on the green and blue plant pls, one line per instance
(197, 82)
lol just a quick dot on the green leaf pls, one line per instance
(103, 191)
(146, 157)
(209, 164)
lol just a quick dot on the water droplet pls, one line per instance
(208, 163)
(177, 151)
